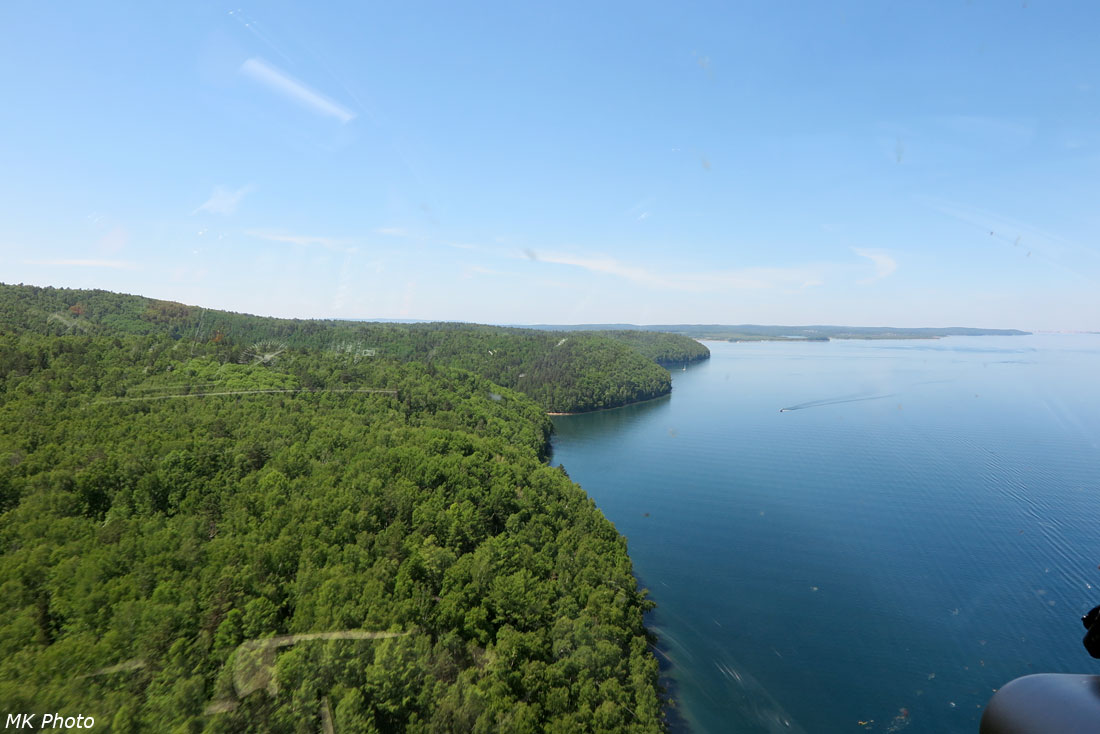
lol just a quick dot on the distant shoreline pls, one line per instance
(807, 340)
(800, 339)
(778, 332)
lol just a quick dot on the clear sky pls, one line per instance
(903, 163)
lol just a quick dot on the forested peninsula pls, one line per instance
(565, 372)
(224, 523)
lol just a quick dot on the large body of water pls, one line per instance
(921, 527)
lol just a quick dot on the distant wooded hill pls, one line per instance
(562, 371)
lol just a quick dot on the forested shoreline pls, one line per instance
(204, 534)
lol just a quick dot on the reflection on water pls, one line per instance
(871, 564)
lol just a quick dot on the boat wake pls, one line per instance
(835, 401)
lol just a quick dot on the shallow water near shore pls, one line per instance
(920, 525)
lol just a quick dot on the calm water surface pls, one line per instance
(922, 526)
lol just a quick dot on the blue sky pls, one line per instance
(911, 164)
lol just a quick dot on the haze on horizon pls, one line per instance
(849, 164)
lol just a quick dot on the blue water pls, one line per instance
(922, 527)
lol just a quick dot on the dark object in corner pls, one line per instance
(1051, 703)
(1092, 632)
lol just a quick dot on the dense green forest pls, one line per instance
(255, 532)
(662, 347)
(563, 372)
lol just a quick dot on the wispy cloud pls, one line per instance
(303, 240)
(223, 200)
(393, 231)
(66, 262)
(472, 270)
(884, 264)
(605, 265)
(641, 206)
(475, 248)
(260, 71)
(738, 278)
